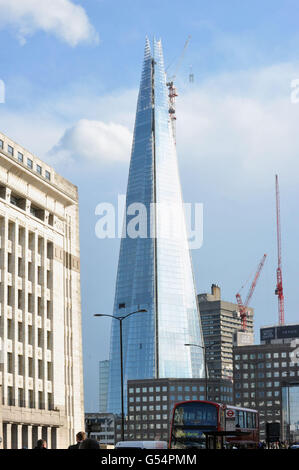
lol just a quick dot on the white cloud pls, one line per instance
(241, 125)
(62, 18)
(95, 142)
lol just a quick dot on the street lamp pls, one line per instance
(205, 363)
(121, 319)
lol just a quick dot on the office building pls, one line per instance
(261, 371)
(103, 385)
(290, 411)
(150, 403)
(40, 308)
(221, 323)
(155, 269)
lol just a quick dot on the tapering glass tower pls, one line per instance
(155, 269)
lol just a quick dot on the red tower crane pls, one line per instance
(243, 307)
(279, 287)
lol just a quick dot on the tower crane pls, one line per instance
(279, 287)
(243, 306)
(172, 91)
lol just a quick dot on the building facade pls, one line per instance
(155, 269)
(220, 322)
(150, 403)
(103, 385)
(290, 411)
(40, 321)
(260, 372)
(102, 427)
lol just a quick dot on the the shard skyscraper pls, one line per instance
(155, 268)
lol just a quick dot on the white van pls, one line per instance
(141, 445)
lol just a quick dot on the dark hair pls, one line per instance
(89, 444)
(81, 436)
(40, 443)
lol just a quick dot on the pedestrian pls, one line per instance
(89, 444)
(80, 437)
(41, 444)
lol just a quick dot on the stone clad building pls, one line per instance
(41, 381)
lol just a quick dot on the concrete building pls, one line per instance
(261, 371)
(220, 322)
(40, 308)
(150, 403)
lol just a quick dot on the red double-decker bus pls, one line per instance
(210, 425)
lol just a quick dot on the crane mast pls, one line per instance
(279, 286)
(243, 307)
(172, 91)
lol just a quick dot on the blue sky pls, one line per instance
(71, 87)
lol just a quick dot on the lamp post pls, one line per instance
(121, 319)
(205, 363)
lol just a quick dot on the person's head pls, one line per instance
(89, 444)
(41, 444)
(80, 436)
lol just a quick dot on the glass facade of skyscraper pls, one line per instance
(103, 385)
(155, 269)
(290, 412)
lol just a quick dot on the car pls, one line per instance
(295, 445)
(141, 445)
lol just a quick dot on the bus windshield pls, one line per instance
(190, 421)
(195, 414)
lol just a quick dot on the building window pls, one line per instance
(20, 157)
(29, 163)
(48, 175)
(38, 169)
(10, 150)
(1, 144)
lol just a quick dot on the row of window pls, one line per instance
(254, 404)
(260, 394)
(268, 384)
(261, 365)
(41, 367)
(138, 427)
(148, 408)
(150, 398)
(269, 355)
(20, 157)
(155, 417)
(176, 388)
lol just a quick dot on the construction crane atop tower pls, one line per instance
(243, 307)
(173, 91)
(279, 286)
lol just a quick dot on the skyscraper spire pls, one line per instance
(155, 269)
